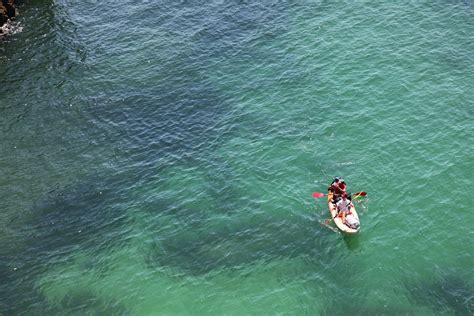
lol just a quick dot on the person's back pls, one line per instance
(338, 188)
(344, 205)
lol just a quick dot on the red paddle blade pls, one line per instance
(318, 195)
(362, 193)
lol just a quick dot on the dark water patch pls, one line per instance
(76, 302)
(446, 294)
(196, 192)
(352, 242)
(82, 218)
(85, 302)
(14, 114)
(214, 226)
(459, 60)
(6, 272)
(47, 43)
(17, 291)
(348, 306)
(73, 217)
(181, 114)
(209, 245)
(39, 44)
(461, 4)
(151, 127)
(218, 27)
(223, 189)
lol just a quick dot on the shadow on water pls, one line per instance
(445, 294)
(352, 242)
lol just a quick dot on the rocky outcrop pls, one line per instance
(7, 11)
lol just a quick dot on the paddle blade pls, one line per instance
(362, 193)
(318, 195)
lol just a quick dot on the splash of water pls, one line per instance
(10, 28)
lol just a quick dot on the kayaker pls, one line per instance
(344, 205)
(338, 188)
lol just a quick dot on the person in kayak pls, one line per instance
(342, 201)
(343, 206)
(338, 188)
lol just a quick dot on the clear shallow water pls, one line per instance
(159, 159)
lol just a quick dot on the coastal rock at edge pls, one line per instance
(7, 11)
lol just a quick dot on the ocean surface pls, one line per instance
(158, 157)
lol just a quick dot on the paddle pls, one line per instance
(318, 195)
(361, 193)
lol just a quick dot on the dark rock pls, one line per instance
(7, 11)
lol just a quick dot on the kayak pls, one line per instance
(338, 221)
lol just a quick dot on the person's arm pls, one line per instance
(338, 189)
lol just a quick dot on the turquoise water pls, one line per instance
(159, 158)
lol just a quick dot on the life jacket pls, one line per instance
(338, 186)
